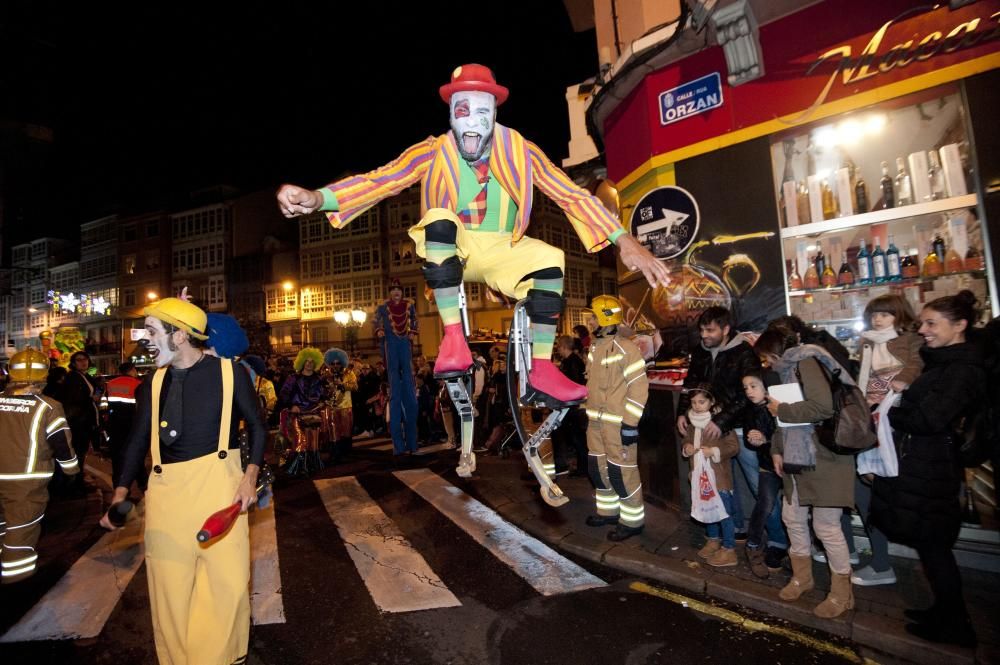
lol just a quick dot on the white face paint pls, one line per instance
(160, 342)
(473, 115)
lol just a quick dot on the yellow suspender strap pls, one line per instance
(226, 419)
(154, 423)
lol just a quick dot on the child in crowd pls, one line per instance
(758, 427)
(720, 550)
(890, 359)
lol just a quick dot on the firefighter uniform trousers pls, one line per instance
(617, 389)
(199, 594)
(32, 427)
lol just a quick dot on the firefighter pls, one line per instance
(33, 429)
(121, 411)
(616, 396)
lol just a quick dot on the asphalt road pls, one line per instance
(330, 603)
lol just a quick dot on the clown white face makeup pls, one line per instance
(161, 345)
(473, 115)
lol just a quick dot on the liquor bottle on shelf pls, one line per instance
(904, 192)
(845, 275)
(939, 248)
(787, 185)
(802, 203)
(878, 263)
(893, 265)
(811, 279)
(864, 264)
(952, 261)
(885, 184)
(828, 277)
(860, 193)
(932, 266)
(908, 265)
(829, 205)
(935, 175)
(974, 259)
(820, 260)
(794, 280)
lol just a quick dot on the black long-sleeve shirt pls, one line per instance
(202, 408)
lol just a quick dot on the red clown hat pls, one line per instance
(473, 77)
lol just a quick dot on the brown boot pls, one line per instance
(802, 578)
(840, 598)
(710, 548)
(723, 558)
(757, 566)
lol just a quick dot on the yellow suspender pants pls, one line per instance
(199, 594)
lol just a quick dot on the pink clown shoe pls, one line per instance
(546, 384)
(454, 356)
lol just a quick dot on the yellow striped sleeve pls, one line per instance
(593, 223)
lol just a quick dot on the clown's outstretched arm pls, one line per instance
(638, 258)
(294, 201)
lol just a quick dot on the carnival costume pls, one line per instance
(302, 429)
(477, 191)
(33, 430)
(395, 323)
(187, 419)
(342, 382)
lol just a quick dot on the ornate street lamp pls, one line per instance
(350, 320)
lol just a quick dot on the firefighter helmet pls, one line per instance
(607, 309)
(29, 366)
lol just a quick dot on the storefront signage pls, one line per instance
(690, 99)
(874, 59)
(665, 221)
(70, 303)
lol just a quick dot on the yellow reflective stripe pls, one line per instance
(18, 571)
(611, 359)
(20, 562)
(126, 400)
(634, 410)
(34, 436)
(634, 367)
(68, 464)
(25, 476)
(54, 424)
(18, 365)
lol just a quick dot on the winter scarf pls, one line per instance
(699, 421)
(878, 359)
(799, 445)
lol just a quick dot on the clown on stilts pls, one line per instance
(477, 187)
(396, 327)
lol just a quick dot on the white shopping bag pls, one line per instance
(706, 504)
(881, 460)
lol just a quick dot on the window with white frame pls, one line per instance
(402, 253)
(575, 284)
(341, 261)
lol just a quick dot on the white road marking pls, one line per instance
(266, 604)
(397, 576)
(539, 565)
(81, 602)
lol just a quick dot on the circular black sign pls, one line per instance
(665, 221)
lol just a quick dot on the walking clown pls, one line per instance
(477, 185)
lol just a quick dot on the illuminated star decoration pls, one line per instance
(68, 302)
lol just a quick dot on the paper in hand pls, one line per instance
(789, 393)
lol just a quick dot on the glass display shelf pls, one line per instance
(899, 283)
(880, 216)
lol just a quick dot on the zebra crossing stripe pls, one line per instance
(82, 600)
(538, 564)
(396, 575)
(266, 606)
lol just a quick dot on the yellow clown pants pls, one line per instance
(614, 470)
(489, 256)
(199, 594)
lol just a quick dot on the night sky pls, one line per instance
(152, 103)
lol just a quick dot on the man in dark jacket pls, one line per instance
(723, 359)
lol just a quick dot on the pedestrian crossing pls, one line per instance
(395, 575)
